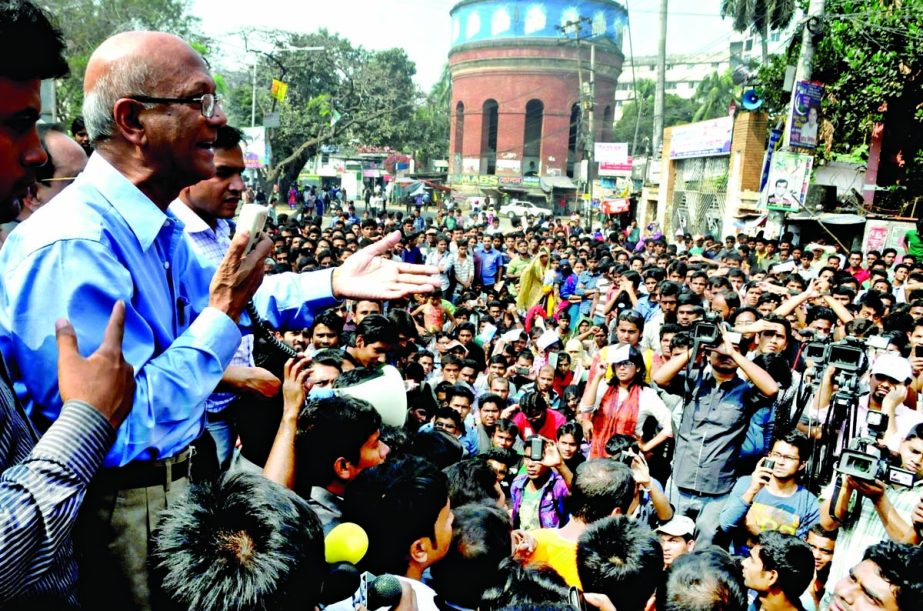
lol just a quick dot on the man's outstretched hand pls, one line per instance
(371, 274)
(103, 379)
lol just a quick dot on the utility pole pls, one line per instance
(810, 28)
(586, 94)
(659, 92)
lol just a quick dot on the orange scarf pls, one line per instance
(613, 418)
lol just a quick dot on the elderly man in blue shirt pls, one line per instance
(152, 112)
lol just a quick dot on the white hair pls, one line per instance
(125, 77)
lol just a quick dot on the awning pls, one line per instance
(827, 218)
(557, 182)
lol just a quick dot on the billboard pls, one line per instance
(789, 177)
(610, 152)
(803, 123)
(256, 147)
(703, 139)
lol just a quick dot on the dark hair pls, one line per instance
(798, 440)
(228, 138)
(532, 402)
(520, 587)
(492, 398)
(31, 48)
(459, 390)
(329, 319)
(705, 580)
(669, 289)
(376, 328)
(471, 481)
(329, 357)
(621, 558)
(601, 486)
(899, 565)
(619, 442)
(915, 432)
(396, 503)
(821, 313)
(571, 428)
(451, 414)
(791, 559)
(480, 542)
(505, 425)
(437, 448)
(77, 125)
(329, 429)
(241, 542)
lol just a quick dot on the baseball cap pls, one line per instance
(456, 344)
(893, 366)
(679, 526)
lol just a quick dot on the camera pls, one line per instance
(846, 357)
(864, 461)
(706, 333)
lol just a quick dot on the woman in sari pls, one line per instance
(531, 283)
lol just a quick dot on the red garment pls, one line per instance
(560, 383)
(553, 421)
(861, 275)
(613, 418)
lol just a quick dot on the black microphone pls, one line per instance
(385, 591)
(341, 581)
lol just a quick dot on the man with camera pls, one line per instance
(881, 509)
(715, 414)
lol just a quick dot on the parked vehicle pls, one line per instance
(520, 208)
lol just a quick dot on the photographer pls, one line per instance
(712, 426)
(879, 511)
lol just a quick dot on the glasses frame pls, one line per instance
(201, 100)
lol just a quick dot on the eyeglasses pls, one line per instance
(207, 101)
(777, 456)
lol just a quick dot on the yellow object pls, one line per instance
(347, 542)
(551, 549)
(279, 89)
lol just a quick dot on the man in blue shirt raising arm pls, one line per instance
(43, 481)
(152, 112)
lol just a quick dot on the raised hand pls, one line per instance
(371, 274)
(293, 388)
(238, 276)
(104, 379)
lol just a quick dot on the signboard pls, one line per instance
(610, 152)
(616, 169)
(788, 181)
(471, 165)
(491, 181)
(885, 233)
(703, 139)
(256, 147)
(271, 119)
(509, 167)
(803, 123)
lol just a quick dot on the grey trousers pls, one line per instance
(112, 536)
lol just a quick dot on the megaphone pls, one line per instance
(384, 389)
(751, 100)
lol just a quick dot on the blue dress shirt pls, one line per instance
(101, 240)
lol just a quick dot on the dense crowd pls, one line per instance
(420, 409)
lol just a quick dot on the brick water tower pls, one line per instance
(519, 118)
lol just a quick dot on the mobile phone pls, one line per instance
(918, 351)
(536, 448)
(252, 219)
(769, 464)
(522, 371)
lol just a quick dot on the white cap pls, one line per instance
(679, 526)
(893, 366)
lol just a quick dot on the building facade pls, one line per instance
(523, 97)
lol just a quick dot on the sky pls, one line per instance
(423, 27)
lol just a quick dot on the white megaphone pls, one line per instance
(385, 390)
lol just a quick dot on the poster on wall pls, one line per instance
(471, 165)
(787, 186)
(885, 233)
(256, 148)
(610, 152)
(803, 123)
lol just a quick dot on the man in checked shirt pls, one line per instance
(204, 208)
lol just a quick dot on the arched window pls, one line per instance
(491, 118)
(532, 138)
(459, 127)
(607, 126)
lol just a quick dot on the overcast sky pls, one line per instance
(422, 27)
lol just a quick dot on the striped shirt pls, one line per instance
(212, 244)
(42, 485)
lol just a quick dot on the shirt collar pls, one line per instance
(142, 215)
(193, 222)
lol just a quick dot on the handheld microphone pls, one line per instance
(341, 581)
(385, 591)
(347, 542)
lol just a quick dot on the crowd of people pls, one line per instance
(414, 410)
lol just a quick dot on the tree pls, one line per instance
(868, 58)
(87, 23)
(430, 139)
(713, 96)
(676, 111)
(344, 95)
(760, 16)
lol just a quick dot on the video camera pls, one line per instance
(864, 461)
(708, 333)
(847, 354)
